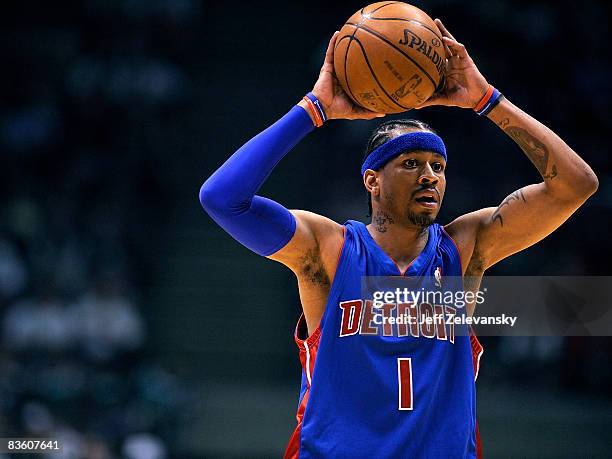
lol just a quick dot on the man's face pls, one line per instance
(412, 185)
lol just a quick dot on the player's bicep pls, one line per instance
(523, 218)
(314, 236)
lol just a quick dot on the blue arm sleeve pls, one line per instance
(262, 225)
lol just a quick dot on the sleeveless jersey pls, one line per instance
(378, 391)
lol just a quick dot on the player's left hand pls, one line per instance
(465, 86)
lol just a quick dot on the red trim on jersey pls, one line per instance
(477, 351)
(307, 347)
(308, 353)
(395, 263)
(402, 273)
(397, 266)
(456, 246)
(293, 447)
(311, 341)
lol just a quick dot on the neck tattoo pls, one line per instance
(382, 220)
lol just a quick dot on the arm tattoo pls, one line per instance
(553, 173)
(382, 220)
(503, 123)
(516, 196)
(313, 269)
(533, 148)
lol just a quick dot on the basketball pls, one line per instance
(389, 57)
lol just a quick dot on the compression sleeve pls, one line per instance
(260, 224)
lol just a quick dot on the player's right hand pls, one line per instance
(336, 103)
(464, 85)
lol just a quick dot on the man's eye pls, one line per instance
(411, 163)
(437, 167)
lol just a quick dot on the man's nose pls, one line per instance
(428, 177)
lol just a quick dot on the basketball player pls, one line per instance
(366, 394)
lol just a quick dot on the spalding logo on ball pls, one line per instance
(389, 57)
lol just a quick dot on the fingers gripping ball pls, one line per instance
(389, 57)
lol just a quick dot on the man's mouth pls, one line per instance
(427, 198)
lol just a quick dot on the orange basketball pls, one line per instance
(389, 57)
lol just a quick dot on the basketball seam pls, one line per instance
(379, 8)
(365, 56)
(348, 86)
(383, 38)
(410, 20)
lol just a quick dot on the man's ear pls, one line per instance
(371, 182)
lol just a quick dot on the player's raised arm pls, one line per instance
(531, 213)
(262, 225)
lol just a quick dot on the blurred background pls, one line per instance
(132, 326)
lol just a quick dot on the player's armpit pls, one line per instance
(312, 252)
(523, 218)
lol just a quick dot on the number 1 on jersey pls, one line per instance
(404, 381)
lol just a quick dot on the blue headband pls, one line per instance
(420, 140)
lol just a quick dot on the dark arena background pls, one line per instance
(133, 326)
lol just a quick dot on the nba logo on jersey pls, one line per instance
(438, 276)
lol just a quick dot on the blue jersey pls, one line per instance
(372, 390)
